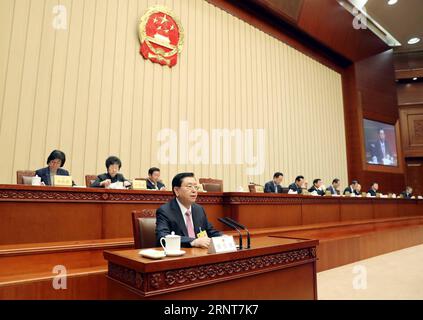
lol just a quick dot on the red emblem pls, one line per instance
(161, 36)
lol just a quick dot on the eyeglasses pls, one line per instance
(192, 187)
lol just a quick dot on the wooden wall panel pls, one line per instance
(411, 120)
(410, 93)
(370, 92)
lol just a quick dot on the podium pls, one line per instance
(274, 268)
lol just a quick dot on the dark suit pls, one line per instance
(151, 186)
(406, 195)
(376, 150)
(44, 174)
(332, 190)
(351, 190)
(101, 177)
(169, 218)
(319, 192)
(294, 187)
(269, 187)
(372, 192)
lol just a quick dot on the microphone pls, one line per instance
(236, 223)
(232, 226)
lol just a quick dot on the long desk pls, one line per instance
(274, 268)
(51, 214)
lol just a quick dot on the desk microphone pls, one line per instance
(232, 226)
(236, 223)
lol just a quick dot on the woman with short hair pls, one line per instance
(113, 165)
(55, 162)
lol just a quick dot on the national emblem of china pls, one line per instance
(161, 36)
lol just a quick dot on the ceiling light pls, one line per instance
(392, 2)
(414, 40)
(415, 78)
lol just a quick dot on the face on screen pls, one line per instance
(380, 143)
(382, 135)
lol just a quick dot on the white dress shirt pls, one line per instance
(382, 146)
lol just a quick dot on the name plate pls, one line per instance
(222, 244)
(139, 184)
(62, 181)
(259, 189)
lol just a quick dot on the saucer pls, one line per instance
(175, 253)
(152, 254)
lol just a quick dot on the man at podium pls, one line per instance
(183, 216)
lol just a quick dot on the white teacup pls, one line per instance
(173, 243)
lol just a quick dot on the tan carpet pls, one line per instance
(396, 275)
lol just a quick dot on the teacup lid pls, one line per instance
(172, 235)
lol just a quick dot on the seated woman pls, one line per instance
(105, 180)
(55, 162)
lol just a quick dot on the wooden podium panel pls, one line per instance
(274, 268)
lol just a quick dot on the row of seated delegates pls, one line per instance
(183, 216)
(153, 180)
(112, 178)
(55, 162)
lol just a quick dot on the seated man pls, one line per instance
(333, 189)
(274, 186)
(408, 193)
(55, 162)
(297, 186)
(352, 188)
(183, 216)
(317, 187)
(113, 165)
(373, 189)
(380, 150)
(153, 181)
